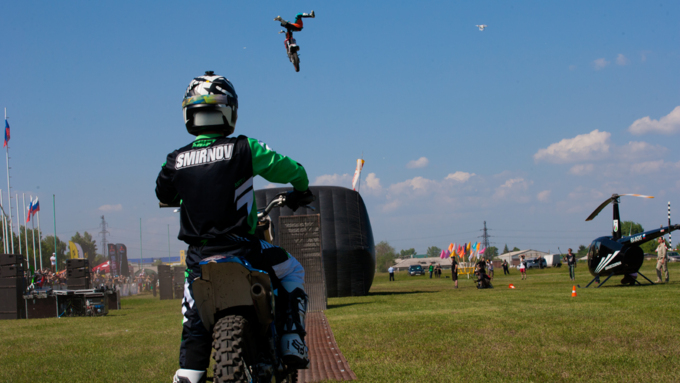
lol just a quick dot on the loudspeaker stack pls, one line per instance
(78, 274)
(12, 286)
(165, 281)
(178, 281)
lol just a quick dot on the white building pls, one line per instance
(514, 255)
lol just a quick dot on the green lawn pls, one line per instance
(415, 329)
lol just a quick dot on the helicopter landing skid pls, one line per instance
(612, 274)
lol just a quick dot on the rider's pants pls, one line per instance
(284, 270)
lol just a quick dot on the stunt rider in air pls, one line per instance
(219, 216)
(297, 25)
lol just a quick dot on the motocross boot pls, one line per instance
(189, 376)
(278, 18)
(294, 349)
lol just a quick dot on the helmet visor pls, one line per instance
(211, 99)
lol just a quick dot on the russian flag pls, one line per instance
(6, 133)
(30, 210)
(36, 206)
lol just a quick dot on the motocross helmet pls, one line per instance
(210, 93)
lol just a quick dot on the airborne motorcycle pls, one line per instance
(236, 302)
(292, 49)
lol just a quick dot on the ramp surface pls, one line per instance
(326, 360)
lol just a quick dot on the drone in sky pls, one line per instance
(481, 26)
(617, 255)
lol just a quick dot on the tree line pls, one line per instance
(385, 254)
(46, 246)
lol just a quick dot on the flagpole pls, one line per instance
(9, 189)
(26, 230)
(18, 223)
(33, 233)
(4, 226)
(39, 236)
(54, 213)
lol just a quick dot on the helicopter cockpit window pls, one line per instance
(594, 249)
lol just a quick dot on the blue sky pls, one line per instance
(528, 125)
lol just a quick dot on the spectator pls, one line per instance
(53, 261)
(454, 271)
(571, 262)
(661, 261)
(506, 270)
(490, 267)
(390, 270)
(523, 267)
(431, 269)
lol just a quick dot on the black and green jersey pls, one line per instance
(213, 179)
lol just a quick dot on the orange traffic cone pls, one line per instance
(511, 286)
(573, 291)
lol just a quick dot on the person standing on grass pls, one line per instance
(506, 271)
(391, 271)
(454, 271)
(571, 262)
(661, 262)
(490, 268)
(523, 267)
(431, 269)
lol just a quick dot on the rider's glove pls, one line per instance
(295, 199)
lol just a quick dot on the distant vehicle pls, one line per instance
(536, 263)
(673, 256)
(553, 260)
(416, 270)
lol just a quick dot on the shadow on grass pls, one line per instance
(345, 305)
(399, 292)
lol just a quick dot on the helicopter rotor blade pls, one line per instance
(602, 206)
(609, 200)
(638, 195)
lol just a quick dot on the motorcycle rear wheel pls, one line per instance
(296, 61)
(233, 353)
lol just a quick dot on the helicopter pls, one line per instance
(617, 255)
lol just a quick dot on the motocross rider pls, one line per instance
(294, 26)
(212, 177)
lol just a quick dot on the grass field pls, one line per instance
(413, 330)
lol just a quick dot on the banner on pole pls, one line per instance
(357, 173)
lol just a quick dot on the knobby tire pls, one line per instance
(296, 61)
(232, 349)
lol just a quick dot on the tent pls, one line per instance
(102, 268)
(346, 237)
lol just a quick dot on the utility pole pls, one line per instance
(105, 248)
(485, 237)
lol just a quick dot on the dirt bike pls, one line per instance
(292, 49)
(235, 302)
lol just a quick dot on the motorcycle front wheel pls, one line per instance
(233, 350)
(296, 61)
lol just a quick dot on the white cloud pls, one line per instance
(621, 59)
(371, 184)
(543, 196)
(333, 180)
(513, 188)
(639, 149)
(109, 208)
(647, 167)
(600, 63)
(582, 169)
(668, 124)
(419, 163)
(460, 176)
(583, 147)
